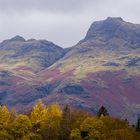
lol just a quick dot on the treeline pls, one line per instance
(52, 123)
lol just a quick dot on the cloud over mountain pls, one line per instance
(62, 21)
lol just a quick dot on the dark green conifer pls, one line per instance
(102, 111)
(138, 124)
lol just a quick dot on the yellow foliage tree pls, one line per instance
(4, 135)
(53, 124)
(20, 128)
(54, 114)
(38, 116)
(121, 134)
(4, 116)
(92, 128)
(39, 112)
(75, 134)
(13, 114)
(50, 127)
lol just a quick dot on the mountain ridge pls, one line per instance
(17, 49)
(102, 69)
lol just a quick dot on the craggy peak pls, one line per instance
(17, 38)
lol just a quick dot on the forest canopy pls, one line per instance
(54, 123)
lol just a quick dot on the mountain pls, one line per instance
(33, 54)
(101, 69)
(20, 60)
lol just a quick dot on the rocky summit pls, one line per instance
(101, 69)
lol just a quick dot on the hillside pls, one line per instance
(20, 60)
(101, 69)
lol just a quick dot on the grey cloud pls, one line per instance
(47, 5)
(64, 22)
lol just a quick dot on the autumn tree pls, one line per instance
(91, 128)
(4, 135)
(13, 114)
(75, 134)
(116, 129)
(121, 134)
(114, 123)
(51, 125)
(65, 124)
(4, 116)
(38, 116)
(77, 117)
(20, 128)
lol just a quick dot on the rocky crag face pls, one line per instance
(102, 69)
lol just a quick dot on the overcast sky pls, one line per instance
(63, 22)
